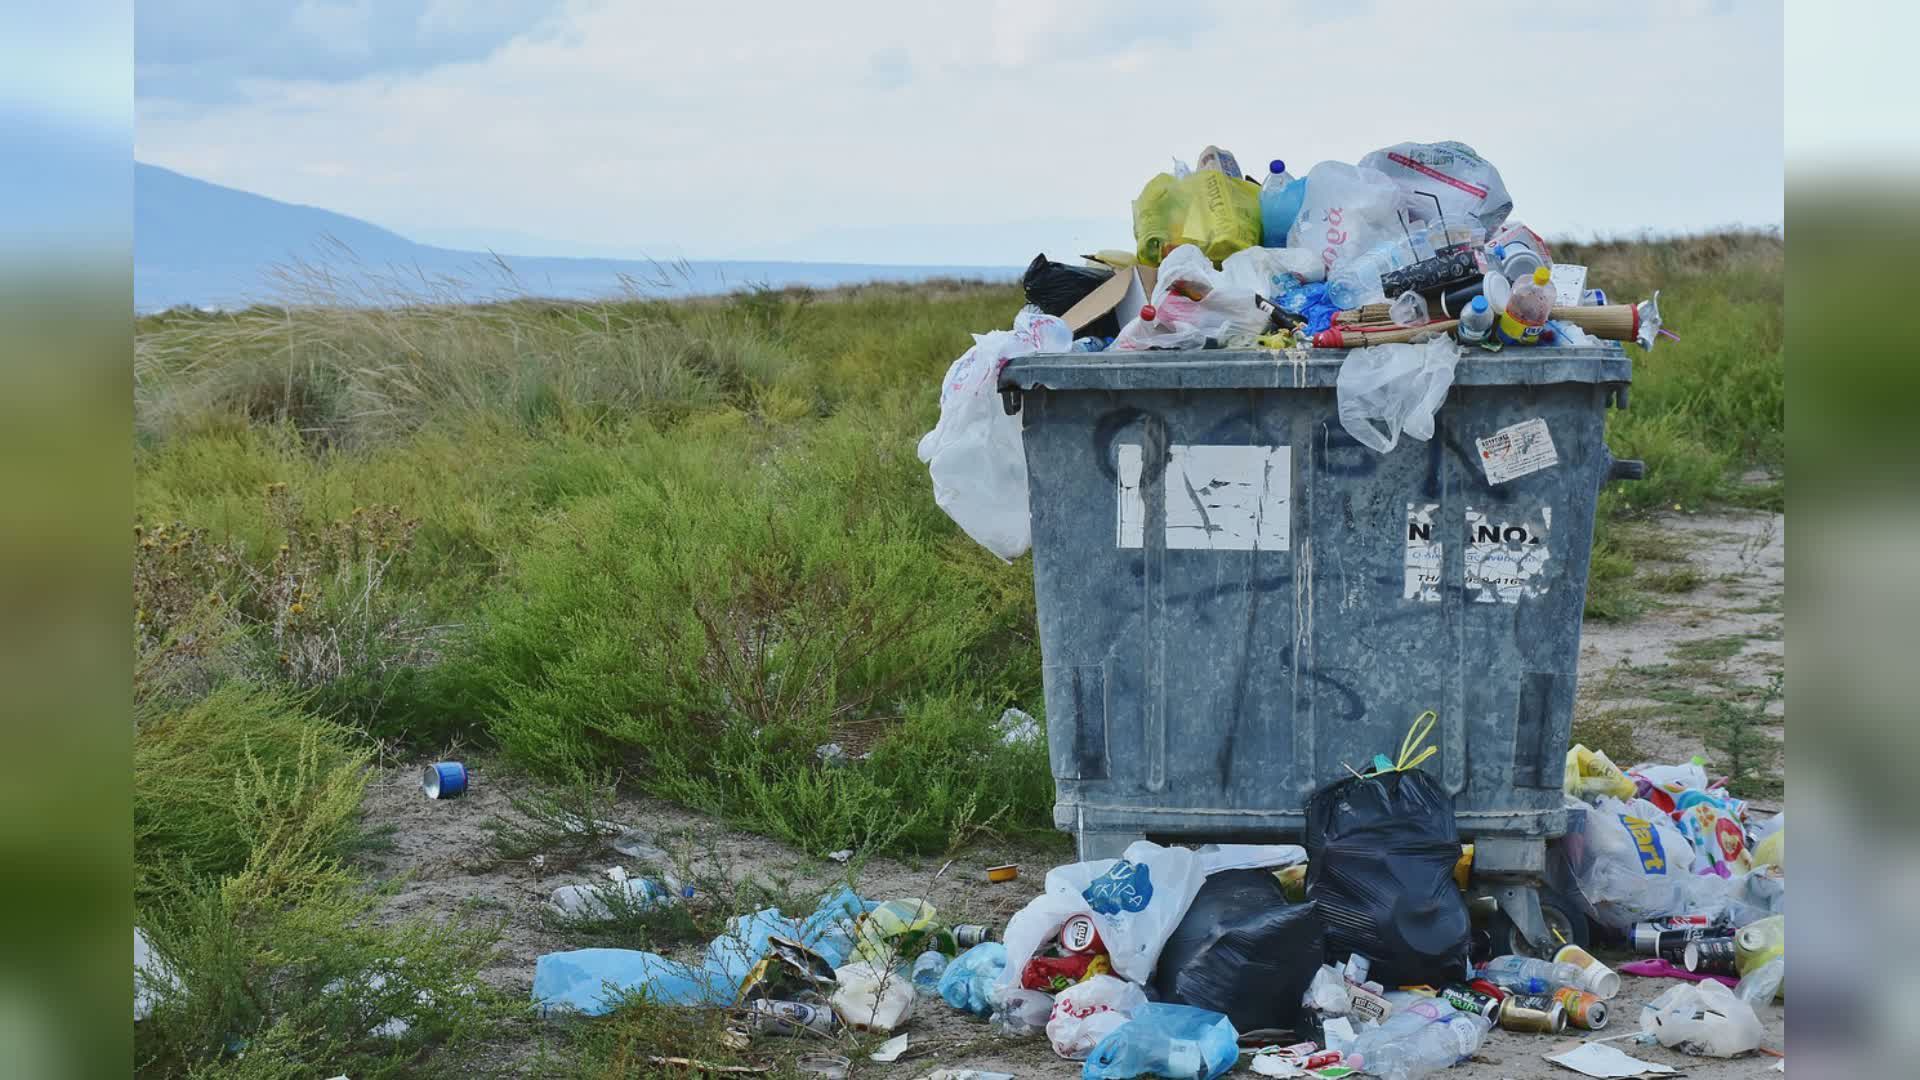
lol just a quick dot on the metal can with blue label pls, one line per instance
(444, 780)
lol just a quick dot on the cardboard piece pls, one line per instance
(1605, 1061)
(1123, 293)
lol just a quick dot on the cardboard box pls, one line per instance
(1123, 294)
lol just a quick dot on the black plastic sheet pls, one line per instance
(1054, 287)
(1242, 950)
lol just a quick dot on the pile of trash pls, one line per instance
(1358, 953)
(1407, 259)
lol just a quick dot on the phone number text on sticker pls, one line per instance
(1513, 452)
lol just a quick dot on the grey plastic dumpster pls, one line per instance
(1237, 600)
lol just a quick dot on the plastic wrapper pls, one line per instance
(1347, 212)
(1020, 1013)
(1388, 390)
(1271, 272)
(1192, 306)
(1703, 1018)
(975, 454)
(1591, 775)
(1464, 183)
(1242, 950)
(1087, 1012)
(1206, 208)
(1764, 983)
(969, 982)
(1381, 851)
(872, 997)
(1628, 861)
(1055, 287)
(1719, 839)
(1175, 1041)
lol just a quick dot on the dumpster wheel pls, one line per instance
(1566, 925)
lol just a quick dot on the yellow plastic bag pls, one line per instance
(1591, 774)
(1208, 209)
(1772, 850)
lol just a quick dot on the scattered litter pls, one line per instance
(1175, 1041)
(831, 1066)
(1702, 1018)
(999, 874)
(152, 977)
(832, 755)
(841, 856)
(1606, 1061)
(1659, 968)
(444, 780)
(872, 997)
(1018, 729)
(707, 1066)
(966, 1074)
(635, 845)
(890, 1050)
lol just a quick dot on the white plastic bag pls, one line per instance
(1271, 271)
(1702, 1018)
(1085, 1012)
(1347, 211)
(1467, 185)
(872, 998)
(1193, 303)
(1629, 861)
(1398, 386)
(1135, 901)
(975, 455)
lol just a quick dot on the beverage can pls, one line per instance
(1533, 1013)
(1670, 945)
(1584, 1008)
(789, 1018)
(1079, 935)
(1594, 975)
(967, 935)
(1712, 956)
(1468, 1000)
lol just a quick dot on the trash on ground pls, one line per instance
(891, 1050)
(709, 1067)
(1702, 1018)
(843, 855)
(1019, 729)
(1088, 1011)
(830, 1066)
(1242, 950)
(968, 982)
(1175, 1041)
(1606, 1061)
(153, 977)
(444, 780)
(872, 997)
(998, 874)
(1019, 1013)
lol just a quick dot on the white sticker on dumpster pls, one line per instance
(1220, 498)
(1424, 552)
(1513, 452)
(1506, 555)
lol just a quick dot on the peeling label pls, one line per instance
(1223, 498)
(1424, 552)
(1513, 452)
(1506, 559)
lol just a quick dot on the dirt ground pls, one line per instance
(438, 861)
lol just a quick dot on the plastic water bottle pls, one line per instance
(927, 969)
(1528, 308)
(1476, 322)
(1280, 199)
(1428, 1047)
(1526, 975)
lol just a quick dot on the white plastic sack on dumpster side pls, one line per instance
(974, 453)
(1085, 1012)
(1347, 211)
(1136, 901)
(1702, 1018)
(1467, 185)
(1398, 387)
(1192, 303)
(1629, 860)
(1271, 271)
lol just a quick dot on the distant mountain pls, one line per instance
(211, 246)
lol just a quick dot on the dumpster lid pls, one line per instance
(1274, 369)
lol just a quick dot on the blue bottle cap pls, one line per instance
(1479, 303)
(1276, 165)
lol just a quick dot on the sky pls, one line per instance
(963, 133)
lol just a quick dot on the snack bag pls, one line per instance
(1591, 774)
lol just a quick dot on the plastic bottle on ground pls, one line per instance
(927, 969)
(1476, 322)
(1280, 200)
(1415, 1050)
(1527, 975)
(599, 902)
(1527, 309)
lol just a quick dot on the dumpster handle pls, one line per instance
(1626, 469)
(1010, 400)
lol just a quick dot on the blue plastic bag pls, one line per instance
(1176, 1041)
(969, 979)
(1310, 302)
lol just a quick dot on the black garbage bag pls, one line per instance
(1054, 287)
(1381, 851)
(1243, 950)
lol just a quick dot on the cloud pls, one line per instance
(712, 131)
(209, 51)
